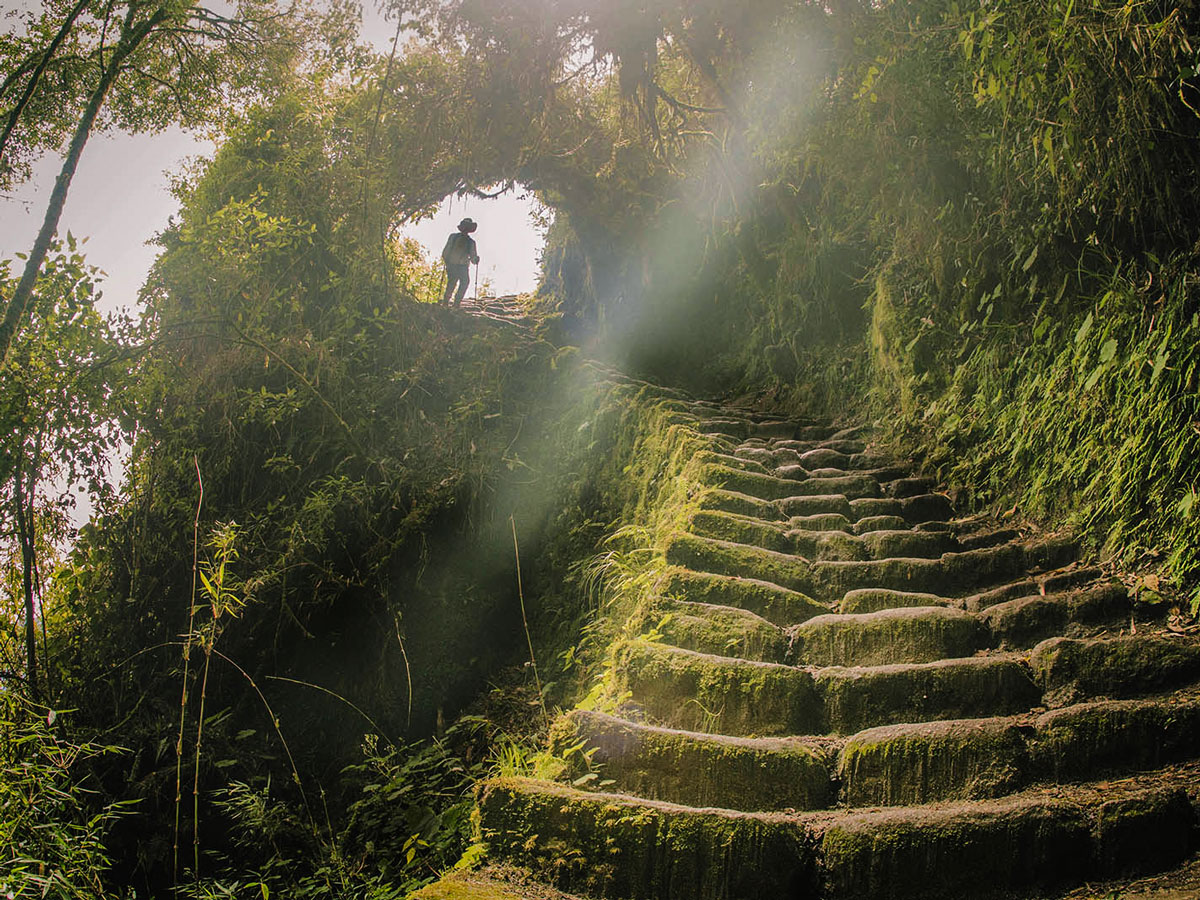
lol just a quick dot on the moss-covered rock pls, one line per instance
(861, 698)
(816, 504)
(754, 484)
(1027, 620)
(746, 464)
(615, 846)
(1090, 739)
(952, 852)
(834, 545)
(1144, 832)
(725, 526)
(740, 504)
(873, 507)
(751, 774)
(967, 759)
(905, 635)
(724, 631)
(777, 605)
(879, 523)
(869, 600)
(700, 692)
(824, 457)
(729, 558)
(902, 542)
(820, 522)
(1070, 669)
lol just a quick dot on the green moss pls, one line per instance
(950, 689)
(739, 529)
(912, 635)
(610, 845)
(697, 769)
(1117, 735)
(912, 764)
(740, 504)
(724, 631)
(949, 853)
(774, 603)
(1114, 667)
(697, 692)
(728, 558)
(868, 600)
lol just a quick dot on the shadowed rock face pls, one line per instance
(842, 691)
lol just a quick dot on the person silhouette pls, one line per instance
(460, 251)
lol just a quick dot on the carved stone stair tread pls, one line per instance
(697, 769)
(776, 604)
(906, 635)
(615, 845)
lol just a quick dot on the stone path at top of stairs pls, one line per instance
(852, 693)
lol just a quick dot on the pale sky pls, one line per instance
(119, 200)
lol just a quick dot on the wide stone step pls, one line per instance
(726, 526)
(775, 604)
(724, 631)
(1055, 581)
(612, 845)
(879, 544)
(1072, 669)
(694, 769)
(616, 845)
(863, 697)
(1025, 621)
(695, 691)
(910, 635)
(1039, 839)
(715, 694)
(950, 574)
(869, 600)
(772, 487)
(730, 558)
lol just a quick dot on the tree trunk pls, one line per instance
(15, 114)
(25, 537)
(18, 304)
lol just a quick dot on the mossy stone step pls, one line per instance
(906, 635)
(493, 883)
(1048, 583)
(950, 573)
(964, 759)
(712, 523)
(864, 697)
(1039, 838)
(716, 694)
(730, 558)
(772, 487)
(821, 522)
(1071, 669)
(611, 845)
(1090, 739)
(694, 769)
(743, 505)
(879, 523)
(979, 758)
(724, 631)
(869, 600)
(695, 691)
(777, 605)
(1027, 620)
(815, 505)
(839, 546)
(713, 457)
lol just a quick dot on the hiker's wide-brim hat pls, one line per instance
(467, 225)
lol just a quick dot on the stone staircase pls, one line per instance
(844, 691)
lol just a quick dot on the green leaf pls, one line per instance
(1094, 377)
(1109, 350)
(1029, 260)
(1082, 333)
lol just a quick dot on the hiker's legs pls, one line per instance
(457, 278)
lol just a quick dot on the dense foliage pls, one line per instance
(976, 215)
